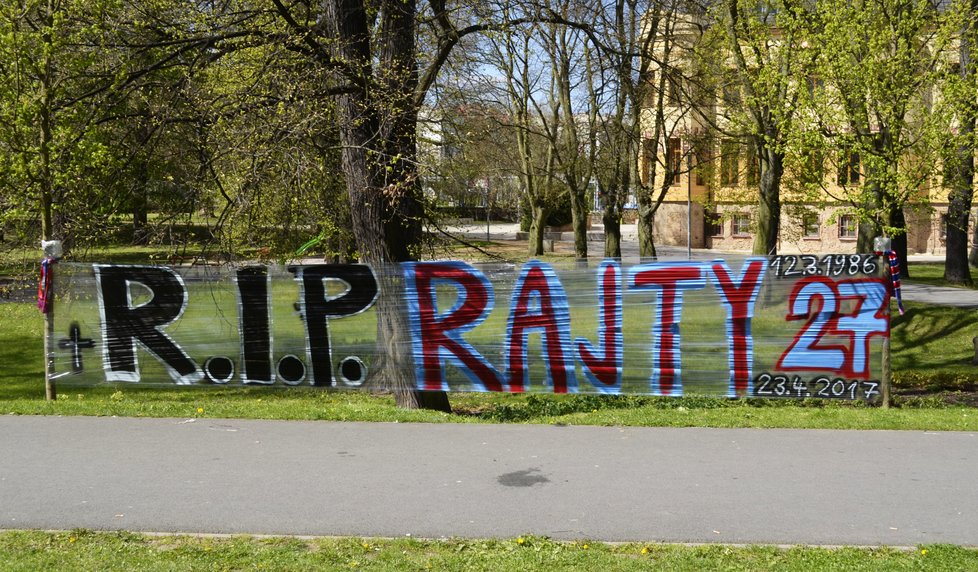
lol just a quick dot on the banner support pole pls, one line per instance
(885, 378)
(881, 246)
(50, 389)
(52, 252)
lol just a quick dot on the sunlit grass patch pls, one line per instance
(85, 550)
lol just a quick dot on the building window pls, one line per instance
(753, 167)
(675, 91)
(813, 171)
(674, 160)
(810, 226)
(649, 92)
(731, 95)
(716, 229)
(648, 155)
(944, 219)
(767, 12)
(950, 165)
(729, 164)
(703, 159)
(714, 224)
(848, 169)
(847, 226)
(815, 85)
(949, 174)
(741, 225)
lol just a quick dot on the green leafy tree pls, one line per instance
(270, 159)
(379, 75)
(879, 60)
(477, 166)
(764, 47)
(960, 90)
(56, 155)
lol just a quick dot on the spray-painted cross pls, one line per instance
(76, 344)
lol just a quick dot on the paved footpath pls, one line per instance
(394, 480)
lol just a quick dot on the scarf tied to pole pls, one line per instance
(45, 285)
(894, 261)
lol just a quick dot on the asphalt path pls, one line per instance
(456, 480)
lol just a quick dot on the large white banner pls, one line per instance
(786, 326)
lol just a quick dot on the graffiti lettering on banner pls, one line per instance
(767, 327)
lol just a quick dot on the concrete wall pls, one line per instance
(670, 225)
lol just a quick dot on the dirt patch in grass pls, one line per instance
(916, 397)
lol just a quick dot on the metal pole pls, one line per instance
(52, 252)
(689, 205)
(885, 374)
(882, 245)
(885, 381)
(487, 213)
(50, 389)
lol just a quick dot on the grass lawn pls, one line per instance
(933, 273)
(82, 550)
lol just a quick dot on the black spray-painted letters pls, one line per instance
(126, 323)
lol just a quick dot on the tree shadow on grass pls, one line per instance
(933, 336)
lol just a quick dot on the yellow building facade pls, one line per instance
(711, 192)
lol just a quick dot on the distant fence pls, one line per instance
(786, 326)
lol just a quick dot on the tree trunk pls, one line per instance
(47, 200)
(769, 201)
(898, 222)
(395, 351)
(956, 268)
(646, 242)
(377, 127)
(140, 218)
(611, 220)
(538, 223)
(867, 231)
(579, 220)
(964, 189)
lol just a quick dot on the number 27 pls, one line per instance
(819, 300)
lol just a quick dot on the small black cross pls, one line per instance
(76, 343)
